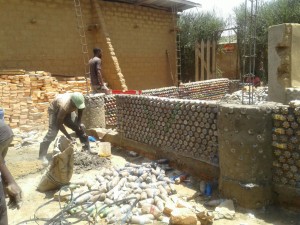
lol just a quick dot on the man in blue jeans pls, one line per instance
(6, 179)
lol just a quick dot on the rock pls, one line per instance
(205, 218)
(62, 195)
(169, 207)
(183, 204)
(225, 210)
(214, 203)
(183, 216)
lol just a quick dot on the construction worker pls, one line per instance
(97, 83)
(7, 181)
(62, 112)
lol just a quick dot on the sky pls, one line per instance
(222, 7)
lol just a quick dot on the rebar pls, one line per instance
(249, 51)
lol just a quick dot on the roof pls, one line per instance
(170, 5)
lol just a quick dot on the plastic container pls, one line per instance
(92, 139)
(104, 149)
(140, 220)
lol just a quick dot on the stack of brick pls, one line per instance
(72, 84)
(25, 96)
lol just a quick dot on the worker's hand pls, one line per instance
(15, 195)
(81, 127)
(104, 87)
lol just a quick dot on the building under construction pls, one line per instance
(240, 142)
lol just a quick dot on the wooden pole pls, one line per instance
(214, 65)
(208, 71)
(197, 61)
(202, 60)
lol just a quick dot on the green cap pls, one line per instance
(78, 100)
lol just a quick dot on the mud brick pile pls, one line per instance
(25, 96)
(205, 90)
(184, 127)
(73, 84)
(286, 145)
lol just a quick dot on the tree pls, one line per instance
(269, 13)
(195, 26)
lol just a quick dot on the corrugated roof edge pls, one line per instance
(162, 4)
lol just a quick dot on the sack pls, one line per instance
(60, 170)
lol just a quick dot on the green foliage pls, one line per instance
(195, 26)
(269, 13)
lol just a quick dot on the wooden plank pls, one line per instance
(202, 60)
(208, 70)
(214, 66)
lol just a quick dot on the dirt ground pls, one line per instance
(28, 171)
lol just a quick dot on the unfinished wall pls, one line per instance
(286, 149)
(283, 60)
(168, 92)
(42, 35)
(213, 89)
(245, 153)
(184, 127)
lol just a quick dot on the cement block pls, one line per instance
(94, 113)
(253, 196)
(283, 58)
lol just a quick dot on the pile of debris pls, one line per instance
(260, 95)
(22, 139)
(84, 161)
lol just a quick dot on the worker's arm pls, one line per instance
(99, 74)
(12, 188)
(60, 123)
(81, 126)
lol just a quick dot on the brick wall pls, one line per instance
(42, 35)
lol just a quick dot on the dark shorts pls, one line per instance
(3, 209)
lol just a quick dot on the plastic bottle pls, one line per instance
(202, 186)
(180, 178)
(151, 209)
(208, 189)
(140, 220)
(162, 161)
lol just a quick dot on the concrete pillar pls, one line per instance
(245, 154)
(94, 113)
(284, 60)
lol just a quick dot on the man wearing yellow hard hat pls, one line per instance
(62, 112)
